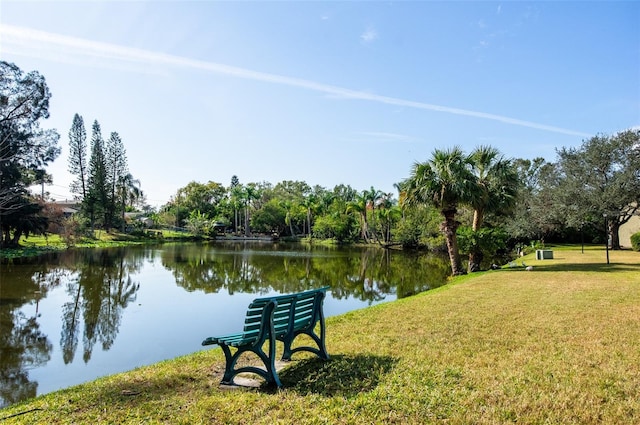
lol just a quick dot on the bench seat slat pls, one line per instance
(231, 339)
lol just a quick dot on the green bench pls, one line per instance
(278, 318)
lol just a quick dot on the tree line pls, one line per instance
(103, 184)
(480, 204)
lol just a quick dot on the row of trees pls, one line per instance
(290, 208)
(103, 183)
(487, 203)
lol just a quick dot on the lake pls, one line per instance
(73, 316)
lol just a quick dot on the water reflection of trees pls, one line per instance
(22, 345)
(364, 274)
(100, 287)
(99, 290)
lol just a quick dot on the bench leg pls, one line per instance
(270, 363)
(321, 351)
(270, 375)
(321, 340)
(230, 362)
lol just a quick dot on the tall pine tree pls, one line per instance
(97, 191)
(116, 161)
(78, 157)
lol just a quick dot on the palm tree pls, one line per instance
(388, 213)
(444, 181)
(251, 192)
(324, 201)
(497, 186)
(402, 194)
(288, 219)
(309, 203)
(373, 196)
(359, 205)
(235, 199)
(129, 192)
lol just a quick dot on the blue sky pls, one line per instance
(338, 92)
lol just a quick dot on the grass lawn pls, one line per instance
(559, 344)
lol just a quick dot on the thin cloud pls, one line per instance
(369, 35)
(32, 40)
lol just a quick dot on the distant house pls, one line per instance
(629, 228)
(139, 217)
(68, 208)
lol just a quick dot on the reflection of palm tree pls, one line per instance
(444, 181)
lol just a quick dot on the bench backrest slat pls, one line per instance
(292, 312)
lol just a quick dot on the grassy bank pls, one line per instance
(36, 245)
(559, 344)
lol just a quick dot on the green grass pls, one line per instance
(559, 344)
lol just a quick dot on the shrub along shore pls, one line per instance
(558, 344)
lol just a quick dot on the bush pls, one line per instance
(635, 241)
(341, 227)
(74, 229)
(488, 241)
(420, 228)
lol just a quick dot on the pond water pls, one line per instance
(73, 316)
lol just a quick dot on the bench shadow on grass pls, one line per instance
(342, 375)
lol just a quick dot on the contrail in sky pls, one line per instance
(23, 39)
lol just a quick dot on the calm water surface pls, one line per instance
(70, 317)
